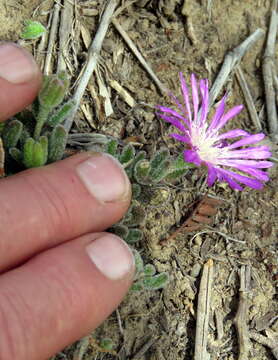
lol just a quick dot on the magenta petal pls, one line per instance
(182, 138)
(173, 121)
(233, 133)
(230, 114)
(172, 112)
(212, 175)
(249, 163)
(205, 101)
(218, 114)
(253, 183)
(185, 93)
(258, 152)
(195, 96)
(232, 183)
(259, 174)
(251, 139)
(192, 157)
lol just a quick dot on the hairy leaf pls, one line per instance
(57, 143)
(127, 155)
(32, 30)
(61, 114)
(156, 282)
(11, 133)
(133, 236)
(111, 147)
(149, 270)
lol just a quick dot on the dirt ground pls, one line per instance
(173, 36)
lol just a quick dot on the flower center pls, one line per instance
(204, 145)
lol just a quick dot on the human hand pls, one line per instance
(60, 277)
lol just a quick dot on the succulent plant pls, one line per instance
(39, 137)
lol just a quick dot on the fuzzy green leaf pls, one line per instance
(32, 30)
(11, 133)
(175, 174)
(57, 143)
(120, 230)
(136, 191)
(28, 149)
(149, 270)
(130, 169)
(156, 282)
(159, 166)
(139, 264)
(39, 155)
(158, 174)
(178, 168)
(127, 155)
(61, 114)
(137, 286)
(44, 145)
(111, 147)
(141, 171)
(133, 236)
(107, 344)
(158, 159)
(16, 154)
(53, 91)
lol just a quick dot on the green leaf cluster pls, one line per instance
(36, 138)
(32, 30)
(146, 277)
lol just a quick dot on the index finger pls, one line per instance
(20, 79)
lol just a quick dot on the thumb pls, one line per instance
(61, 295)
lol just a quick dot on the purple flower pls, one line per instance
(206, 146)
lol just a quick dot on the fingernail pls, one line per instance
(16, 64)
(104, 177)
(112, 256)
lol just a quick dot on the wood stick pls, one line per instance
(64, 34)
(268, 63)
(203, 312)
(51, 39)
(139, 57)
(92, 61)
(271, 340)
(231, 59)
(242, 313)
(248, 99)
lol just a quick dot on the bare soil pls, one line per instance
(173, 36)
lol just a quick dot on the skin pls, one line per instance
(51, 293)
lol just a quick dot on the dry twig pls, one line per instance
(145, 348)
(270, 340)
(64, 34)
(231, 60)
(242, 313)
(268, 66)
(51, 39)
(203, 312)
(92, 61)
(248, 98)
(140, 58)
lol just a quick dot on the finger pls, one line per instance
(61, 295)
(43, 207)
(20, 79)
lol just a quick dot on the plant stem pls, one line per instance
(41, 119)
